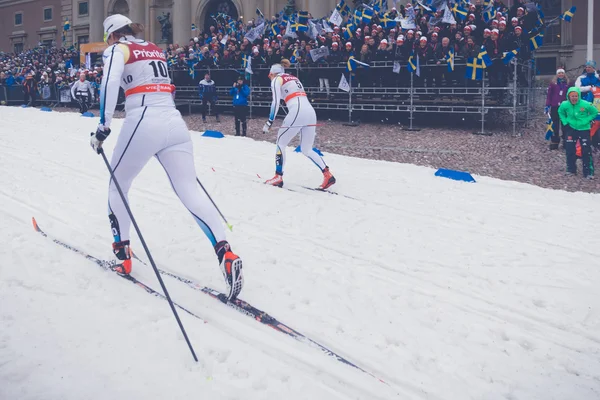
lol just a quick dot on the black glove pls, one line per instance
(98, 138)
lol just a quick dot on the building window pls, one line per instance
(552, 9)
(47, 14)
(82, 40)
(18, 48)
(546, 65)
(82, 8)
(47, 42)
(18, 18)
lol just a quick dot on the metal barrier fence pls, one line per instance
(380, 89)
(377, 89)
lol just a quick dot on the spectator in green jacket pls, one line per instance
(576, 116)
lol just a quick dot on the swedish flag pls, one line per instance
(67, 25)
(275, 29)
(474, 69)
(568, 15)
(191, 70)
(508, 56)
(537, 41)
(367, 15)
(450, 59)
(483, 55)
(387, 22)
(412, 66)
(298, 27)
(245, 60)
(294, 57)
(343, 8)
(459, 12)
(303, 17)
(379, 5)
(549, 129)
(488, 14)
(193, 27)
(353, 63)
(349, 32)
(171, 62)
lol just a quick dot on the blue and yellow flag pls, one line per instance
(67, 25)
(274, 28)
(343, 8)
(549, 128)
(387, 22)
(294, 57)
(193, 27)
(245, 58)
(191, 70)
(450, 59)
(568, 15)
(367, 15)
(353, 63)
(459, 12)
(508, 56)
(483, 55)
(411, 66)
(349, 32)
(537, 41)
(474, 70)
(302, 17)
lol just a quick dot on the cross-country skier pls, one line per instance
(81, 92)
(152, 128)
(301, 119)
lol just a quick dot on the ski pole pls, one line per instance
(217, 208)
(137, 229)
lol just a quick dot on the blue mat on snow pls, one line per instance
(213, 134)
(46, 109)
(456, 175)
(297, 150)
(88, 114)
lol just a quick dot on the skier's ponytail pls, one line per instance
(285, 63)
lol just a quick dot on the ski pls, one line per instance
(260, 316)
(109, 266)
(329, 192)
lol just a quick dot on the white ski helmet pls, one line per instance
(277, 69)
(114, 23)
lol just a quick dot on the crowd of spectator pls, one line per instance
(221, 46)
(225, 45)
(39, 69)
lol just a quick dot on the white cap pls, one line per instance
(114, 23)
(383, 41)
(496, 31)
(277, 69)
(558, 71)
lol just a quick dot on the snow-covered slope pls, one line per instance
(443, 289)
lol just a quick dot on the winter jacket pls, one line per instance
(585, 83)
(579, 115)
(240, 95)
(557, 93)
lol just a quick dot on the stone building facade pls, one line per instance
(25, 23)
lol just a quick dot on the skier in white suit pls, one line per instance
(152, 128)
(301, 119)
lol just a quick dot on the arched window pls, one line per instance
(120, 7)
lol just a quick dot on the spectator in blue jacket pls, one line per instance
(587, 80)
(208, 94)
(240, 92)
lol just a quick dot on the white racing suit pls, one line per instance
(301, 119)
(81, 92)
(153, 127)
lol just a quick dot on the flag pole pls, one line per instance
(590, 30)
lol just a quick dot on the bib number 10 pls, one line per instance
(160, 69)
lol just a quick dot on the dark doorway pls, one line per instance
(218, 6)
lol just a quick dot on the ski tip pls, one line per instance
(35, 225)
(230, 227)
